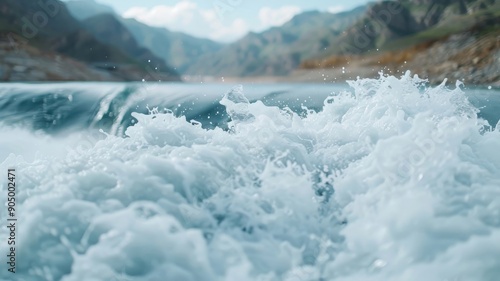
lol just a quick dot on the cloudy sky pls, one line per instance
(222, 20)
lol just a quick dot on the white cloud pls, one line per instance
(220, 30)
(181, 13)
(186, 16)
(276, 17)
(336, 9)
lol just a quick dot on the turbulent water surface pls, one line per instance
(387, 179)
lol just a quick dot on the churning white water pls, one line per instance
(391, 180)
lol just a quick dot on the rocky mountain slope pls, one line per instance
(22, 62)
(48, 28)
(455, 39)
(391, 25)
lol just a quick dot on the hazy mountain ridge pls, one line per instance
(178, 49)
(84, 9)
(278, 50)
(109, 30)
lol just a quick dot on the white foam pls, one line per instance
(416, 180)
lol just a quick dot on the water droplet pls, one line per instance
(489, 87)
(379, 263)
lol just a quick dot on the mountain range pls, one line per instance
(279, 50)
(85, 40)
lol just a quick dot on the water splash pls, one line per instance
(237, 106)
(389, 181)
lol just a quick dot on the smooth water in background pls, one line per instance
(385, 179)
